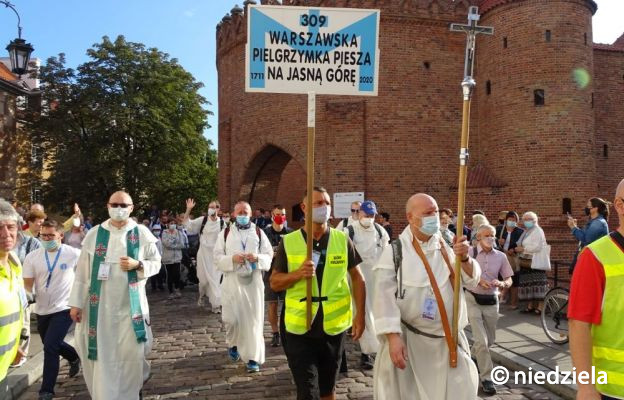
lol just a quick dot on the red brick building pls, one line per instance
(538, 136)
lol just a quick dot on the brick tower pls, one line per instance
(544, 117)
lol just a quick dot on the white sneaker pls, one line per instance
(200, 302)
(171, 296)
(177, 294)
(20, 363)
(216, 310)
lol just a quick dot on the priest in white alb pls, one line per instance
(208, 228)
(413, 359)
(109, 305)
(243, 252)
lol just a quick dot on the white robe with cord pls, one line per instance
(243, 298)
(428, 375)
(370, 247)
(207, 272)
(120, 368)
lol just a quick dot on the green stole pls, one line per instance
(136, 315)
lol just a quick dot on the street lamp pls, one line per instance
(19, 50)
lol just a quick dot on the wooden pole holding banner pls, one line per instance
(310, 190)
(468, 84)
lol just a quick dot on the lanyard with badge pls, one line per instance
(51, 267)
(244, 246)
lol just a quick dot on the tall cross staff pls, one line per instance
(471, 29)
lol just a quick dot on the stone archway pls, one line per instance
(273, 177)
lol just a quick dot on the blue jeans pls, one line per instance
(52, 329)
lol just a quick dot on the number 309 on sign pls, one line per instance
(313, 20)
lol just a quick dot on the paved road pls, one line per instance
(189, 360)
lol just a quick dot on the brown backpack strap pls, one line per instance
(436, 291)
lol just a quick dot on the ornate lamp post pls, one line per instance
(19, 50)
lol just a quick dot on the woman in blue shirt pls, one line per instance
(598, 211)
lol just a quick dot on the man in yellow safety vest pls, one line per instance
(314, 355)
(596, 314)
(12, 295)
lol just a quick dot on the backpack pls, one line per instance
(203, 224)
(378, 228)
(397, 258)
(29, 244)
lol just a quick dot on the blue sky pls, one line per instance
(183, 28)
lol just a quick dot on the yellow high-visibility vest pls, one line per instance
(334, 294)
(11, 313)
(607, 338)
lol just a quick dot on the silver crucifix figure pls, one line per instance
(471, 29)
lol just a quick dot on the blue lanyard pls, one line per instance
(51, 268)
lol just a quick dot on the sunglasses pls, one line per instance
(117, 205)
(354, 211)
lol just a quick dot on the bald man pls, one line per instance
(413, 359)
(109, 305)
(596, 313)
(242, 252)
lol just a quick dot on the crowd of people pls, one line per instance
(393, 297)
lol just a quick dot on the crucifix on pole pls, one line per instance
(471, 29)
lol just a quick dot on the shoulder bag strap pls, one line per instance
(436, 291)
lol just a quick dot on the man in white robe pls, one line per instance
(414, 365)
(208, 229)
(242, 257)
(370, 239)
(120, 367)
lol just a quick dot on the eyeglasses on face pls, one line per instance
(118, 205)
(354, 210)
(47, 235)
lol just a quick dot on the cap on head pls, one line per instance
(368, 207)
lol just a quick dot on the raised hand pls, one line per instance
(190, 203)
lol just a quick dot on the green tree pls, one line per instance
(130, 118)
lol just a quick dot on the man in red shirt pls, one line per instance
(588, 300)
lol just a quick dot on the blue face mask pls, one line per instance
(529, 224)
(511, 224)
(430, 225)
(49, 244)
(242, 220)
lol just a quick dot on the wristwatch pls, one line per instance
(140, 266)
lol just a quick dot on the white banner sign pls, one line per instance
(302, 49)
(342, 203)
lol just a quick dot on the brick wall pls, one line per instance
(406, 139)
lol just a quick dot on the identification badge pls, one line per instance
(316, 256)
(429, 308)
(104, 271)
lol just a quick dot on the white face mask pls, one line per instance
(320, 215)
(488, 241)
(211, 211)
(366, 222)
(119, 214)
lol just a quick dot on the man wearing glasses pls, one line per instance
(208, 228)
(355, 210)
(109, 305)
(50, 269)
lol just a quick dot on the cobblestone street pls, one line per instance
(189, 360)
